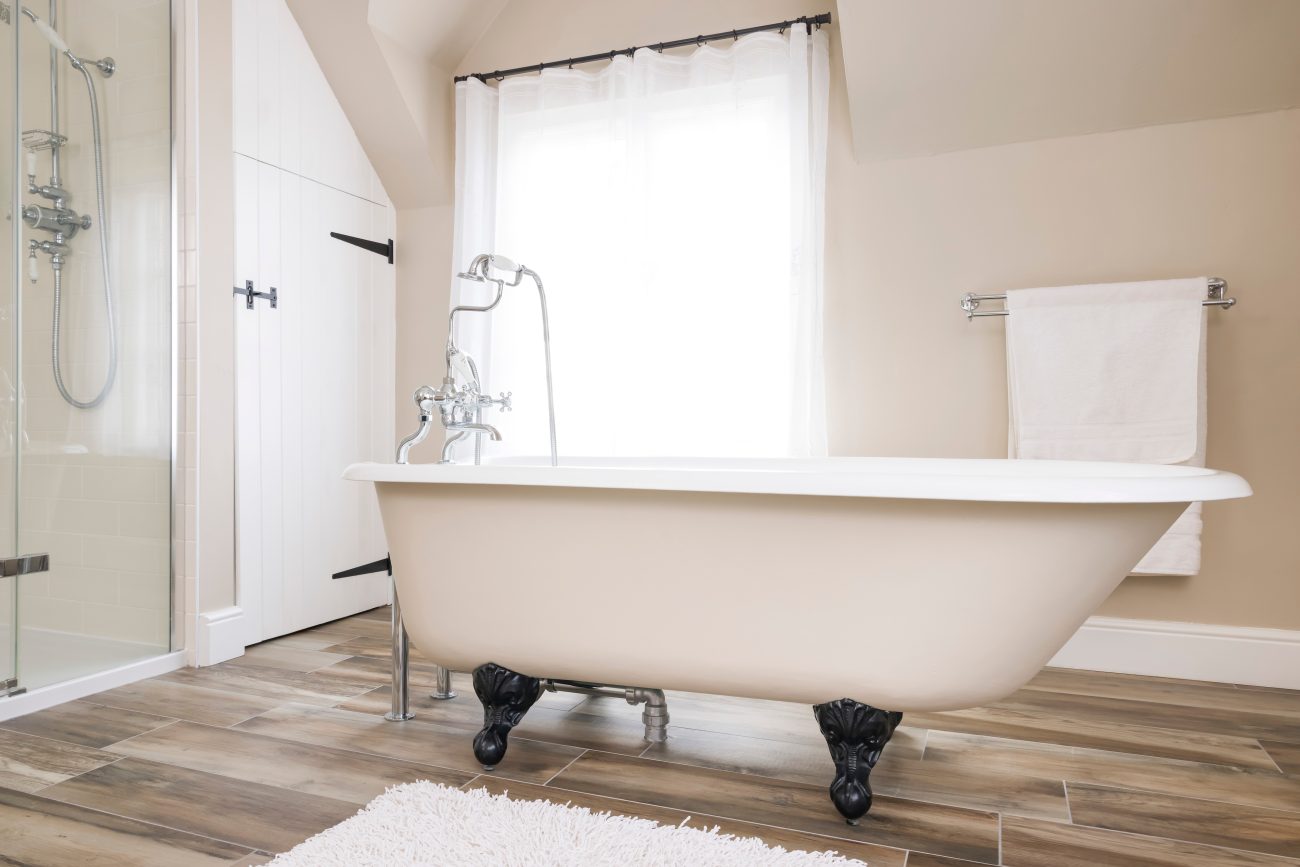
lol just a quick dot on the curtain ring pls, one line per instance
(498, 76)
(699, 41)
(660, 49)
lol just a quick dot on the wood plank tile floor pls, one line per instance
(227, 764)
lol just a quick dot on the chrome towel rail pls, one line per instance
(970, 302)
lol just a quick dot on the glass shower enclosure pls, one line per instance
(86, 338)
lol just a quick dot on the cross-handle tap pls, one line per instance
(502, 402)
(457, 408)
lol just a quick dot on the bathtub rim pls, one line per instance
(977, 479)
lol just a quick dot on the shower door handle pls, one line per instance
(25, 564)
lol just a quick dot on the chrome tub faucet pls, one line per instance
(460, 405)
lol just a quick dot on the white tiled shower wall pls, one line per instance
(96, 484)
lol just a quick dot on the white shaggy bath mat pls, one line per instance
(426, 824)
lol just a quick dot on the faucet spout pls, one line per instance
(493, 433)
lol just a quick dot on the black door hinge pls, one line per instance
(384, 565)
(379, 247)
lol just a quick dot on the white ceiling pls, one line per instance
(927, 76)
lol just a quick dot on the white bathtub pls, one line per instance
(907, 584)
(864, 586)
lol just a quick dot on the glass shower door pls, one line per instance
(85, 338)
(9, 357)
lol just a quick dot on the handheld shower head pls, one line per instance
(106, 65)
(501, 263)
(51, 35)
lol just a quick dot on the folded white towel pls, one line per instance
(1113, 372)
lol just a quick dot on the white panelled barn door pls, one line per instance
(314, 380)
(314, 375)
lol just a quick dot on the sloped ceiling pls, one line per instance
(921, 76)
(389, 63)
(441, 31)
(927, 76)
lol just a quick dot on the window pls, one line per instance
(673, 207)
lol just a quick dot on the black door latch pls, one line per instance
(248, 292)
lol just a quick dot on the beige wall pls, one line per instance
(423, 262)
(908, 375)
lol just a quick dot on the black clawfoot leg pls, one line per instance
(856, 734)
(506, 697)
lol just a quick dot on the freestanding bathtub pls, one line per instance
(864, 586)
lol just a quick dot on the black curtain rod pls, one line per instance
(811, 20)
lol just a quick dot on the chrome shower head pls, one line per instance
(106, 65)
(51, 35)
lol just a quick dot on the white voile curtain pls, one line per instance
(674, 207)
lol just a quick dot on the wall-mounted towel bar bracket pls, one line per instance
(1215, 297)
(385, 250)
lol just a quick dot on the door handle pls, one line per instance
(24, 564)
(252, 295)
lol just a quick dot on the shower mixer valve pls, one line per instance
(58, 219)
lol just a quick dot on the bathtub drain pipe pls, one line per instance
(654, 715)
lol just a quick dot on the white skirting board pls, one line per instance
(80, 687)
(1191, 651)
(221, 635)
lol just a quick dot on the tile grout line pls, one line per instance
(782, 780)
(360, 752)
(1270, 757)
(251, 849)
(102, 749)
(1114, 788)
(786, 782)
(703, 815)
(1164, 756)
(73, 777)
(106, 749)
(1069, 811)
(305, 744)
(566, 767)
(253, 717)
(1253, 852)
